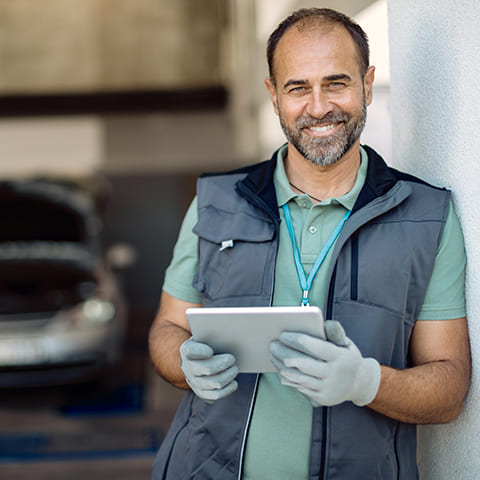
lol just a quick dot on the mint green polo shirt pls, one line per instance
(282, 413)
(278, 444)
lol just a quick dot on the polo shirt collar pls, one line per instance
(285, 193)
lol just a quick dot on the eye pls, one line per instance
(299, 89)
(336, 86)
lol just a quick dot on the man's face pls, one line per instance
(319, 94)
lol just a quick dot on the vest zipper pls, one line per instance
(354, 296)
(329, 309)
(245, 431)
(328, 316)
(323, 452)
(253, 198)
(354, 269)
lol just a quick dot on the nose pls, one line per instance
(318, 104)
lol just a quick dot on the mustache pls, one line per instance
(332, 117)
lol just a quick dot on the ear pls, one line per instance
(273, 93)
(368, 84)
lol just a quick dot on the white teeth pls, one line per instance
(326, 128)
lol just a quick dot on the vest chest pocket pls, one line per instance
(236, 257)
(377, 331)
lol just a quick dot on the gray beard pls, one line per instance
(329, 150)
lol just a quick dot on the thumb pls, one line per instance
(335, 333)
(195, 350)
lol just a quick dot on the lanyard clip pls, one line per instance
(305, 301)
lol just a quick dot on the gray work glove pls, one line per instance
(328, 372)
(210, 376)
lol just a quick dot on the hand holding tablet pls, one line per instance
(247, 332)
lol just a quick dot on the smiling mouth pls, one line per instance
(322, 130)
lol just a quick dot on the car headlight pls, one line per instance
(98, 311)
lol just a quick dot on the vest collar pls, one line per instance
(259, 181)
(380, 179)
(258, 186)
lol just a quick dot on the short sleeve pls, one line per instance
(183, 266)
(445, 296)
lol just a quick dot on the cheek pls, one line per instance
(290, 110)
(351, 104)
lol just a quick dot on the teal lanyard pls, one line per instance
(306, 283)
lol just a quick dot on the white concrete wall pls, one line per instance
(435, 71)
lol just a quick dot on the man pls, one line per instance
(392, 281)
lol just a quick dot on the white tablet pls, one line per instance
(247, 332)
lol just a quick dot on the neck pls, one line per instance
(322, 182)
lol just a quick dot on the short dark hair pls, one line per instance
(327, 17)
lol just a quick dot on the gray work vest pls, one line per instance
(382, 263)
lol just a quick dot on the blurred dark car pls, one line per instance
(62, 317)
